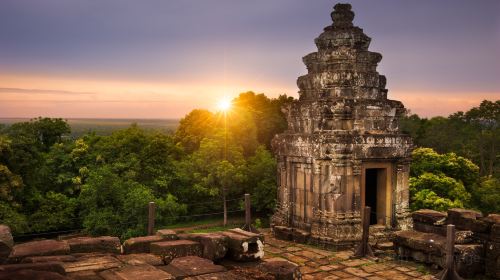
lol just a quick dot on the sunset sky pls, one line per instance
(161, 59)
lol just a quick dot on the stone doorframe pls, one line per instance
(388, 166)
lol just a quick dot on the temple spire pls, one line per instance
(342, 16)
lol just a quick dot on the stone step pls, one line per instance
(167, 234)
(215, 245)
(138, 259)
(55, 267)
(190, 266)
(38, 248)
(92, 263)
(136, 272)
(105, 244)
(170, 250)
(45, 259)
(140, 244)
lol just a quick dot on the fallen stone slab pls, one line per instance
(428, 216)
(191, 266)
(105, 244)
(92, 263)
(140, 244)
(421, 241)
(244, 245)
(138, 259)
(282, 270)
(170, 250)
(49, 266)
(167, 234)
(6, 243)
(38, 248)
(30, 274)
(136, 272)
(214, 244)
(44, 259)
(465, 219)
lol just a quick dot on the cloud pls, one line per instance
(43, 91)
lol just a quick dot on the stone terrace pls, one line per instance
(316, 263)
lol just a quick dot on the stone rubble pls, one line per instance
(477, 246)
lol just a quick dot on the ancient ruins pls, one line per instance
(343, 148)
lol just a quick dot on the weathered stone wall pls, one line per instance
(341, 121)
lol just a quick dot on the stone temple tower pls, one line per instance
(343, 149)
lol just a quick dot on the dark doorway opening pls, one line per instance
(371, 185)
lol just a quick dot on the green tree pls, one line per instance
(216, 170)
(441, 181)
(194, 127)
(113, 205)
(262, 180)
(487, 195)
(56, 211)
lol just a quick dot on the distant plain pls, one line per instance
(107, 126)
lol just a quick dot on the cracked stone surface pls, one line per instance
(316, 263)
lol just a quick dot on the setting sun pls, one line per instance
(224, 104)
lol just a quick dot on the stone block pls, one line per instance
(429, 228)
(105, 244)
(227, 275)
(6, 243)
(167, 234)
(92, 263)
(49, 266)
(214, 244)
(469, 260)
(140, 244)
(84, 275)
(45, 259)
(465, 219)
(29, 274)
(300, 236)
(38, 248)
(495, 233)
(137, 259)
(191, 266)
(170, 250)
(282, 270)
(427, 216)
(283, 233)
(492, 259)
(244, 245)
(421, 241)
(492, 218)
(136, 272)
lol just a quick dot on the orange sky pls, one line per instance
(32, 96)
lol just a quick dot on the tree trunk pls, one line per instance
(492, 158)
(225, 206)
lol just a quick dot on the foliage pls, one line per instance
(487, 195)
(473, 134)
(262, 180)
(441, 181)
(56, 211)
